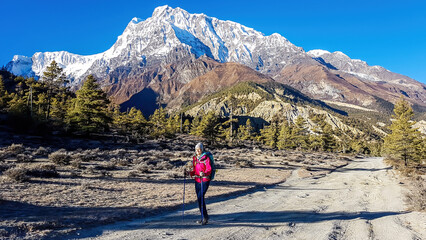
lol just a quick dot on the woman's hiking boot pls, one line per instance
(203, 222)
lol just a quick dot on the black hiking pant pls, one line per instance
(200, 195)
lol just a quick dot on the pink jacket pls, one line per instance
(202, 165)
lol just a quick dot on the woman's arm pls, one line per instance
(192, 173)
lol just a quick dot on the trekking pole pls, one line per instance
(183, 205)
(202, 202)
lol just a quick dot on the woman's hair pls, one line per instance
(199, 146)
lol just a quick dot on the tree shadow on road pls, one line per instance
(363, 169)
(266, 219)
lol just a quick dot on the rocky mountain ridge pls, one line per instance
(263, 101)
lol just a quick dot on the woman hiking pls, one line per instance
(202, 168)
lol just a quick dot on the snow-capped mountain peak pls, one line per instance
(150, 41)
(357, 67)
(160, 11)
(136, 20)
(317, 53)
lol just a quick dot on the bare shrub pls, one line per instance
(5, 166)
(244, 164)
(18, 174)
(60, 157)
(164, 166)
(309, 162)
(174, 175)
(87, 157)
(24, 158)
(43, 171)
(42, 151)
(4, 155)
(76, 164)
(132, 174)
(4, 234)
(142, 153)
(90, 170)
(132, 152)
(107, 166)
(132, 158)
(122, 162)
(118, 152)
(284, 163)
(105, 173)
(85, 185)
(95, 150)
(38, 226)
(140, 160)
(16, 149)
(76, 156)
(180, 154)
(166, 154)
(143, 168)
(74, 173)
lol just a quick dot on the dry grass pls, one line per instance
(417, 197)
(24, 158)
(415, 177)
(15, 149)
(60, 157)
(17, 174)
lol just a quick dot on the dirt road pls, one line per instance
(362, 200)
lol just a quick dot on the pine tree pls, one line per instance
(158, 123)
(137, 120)
(54, 78)
(135, 124)
(194, 126)
(299, 134)
(60, 104)
(245, 132)
(209, 127)
(285, 139)
(404, 142)
(89, 112)
(3, 94)
(270, 133)
(315, 140)
(119, 120)
(357, 144)
(18, 105)
(328, 141)
(231, 103)
(186, 126)
(173, 124)
(41, 104)
(227, 131)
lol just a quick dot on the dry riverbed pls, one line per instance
(72, 184)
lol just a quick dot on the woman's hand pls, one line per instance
(201, 174)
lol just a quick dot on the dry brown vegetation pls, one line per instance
(90, 182)
(414, 176)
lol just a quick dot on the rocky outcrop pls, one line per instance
(267, 108)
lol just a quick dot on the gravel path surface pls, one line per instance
(362, 200)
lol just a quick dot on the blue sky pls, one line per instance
(387, 33)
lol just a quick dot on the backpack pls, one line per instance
(210, 155)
